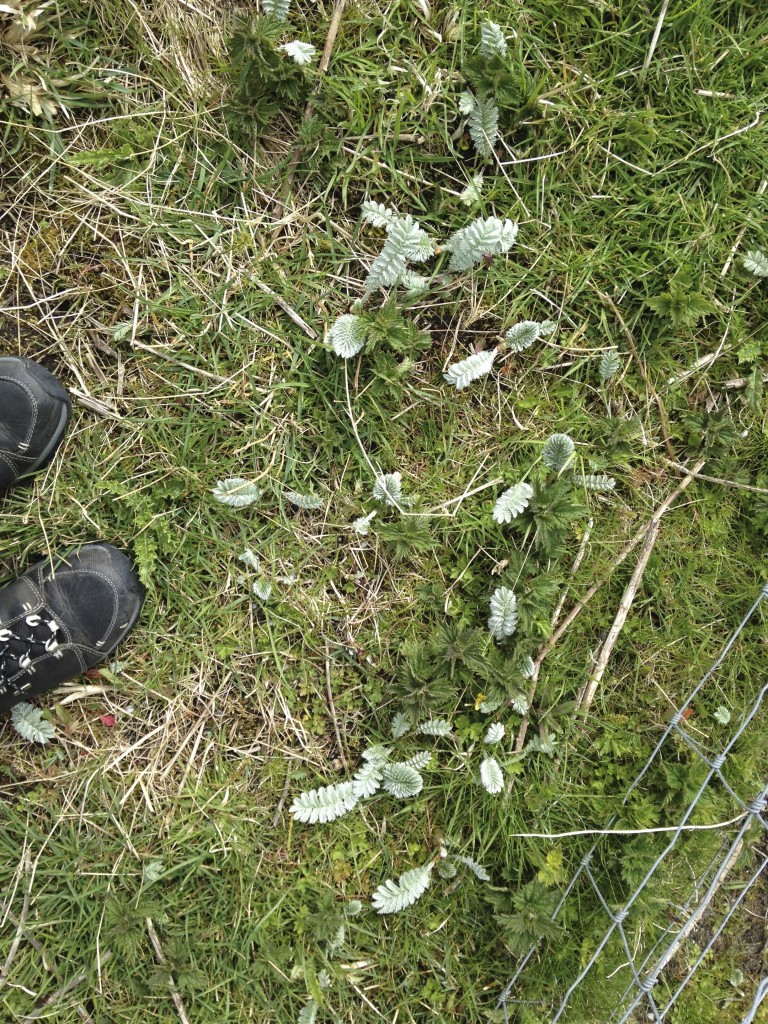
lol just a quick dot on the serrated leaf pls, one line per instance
(557, 451)
(477, 869)
(368, 778)
(491, 776)
(347, 335)
(362, 524)
(512, 502)
(401, 724)
(299, 52)
(401, 781)
(392, 897)
(594, 481)
(378, 215)
(389, 489)
(483, 237)
(435, 727)
(466, 103)
(756, 263)
(609, 365)
(521, 336)
(262, 589)
(503, 619)
(462, 374)
(303, 501)
(492, 41)
(276, 8)
(250, 559)
(236, 492)
(308, 1013)
(377, 752)
(494, 733)
(29, 723)
(326, 803)
(484, 126)
(419, 760)
(447, 869)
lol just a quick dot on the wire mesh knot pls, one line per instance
(647, 984)
(676, 718)
(586, 859)
(758, 805)
(718, 762)
(620, 915)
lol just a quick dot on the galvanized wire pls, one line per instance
(646, 974)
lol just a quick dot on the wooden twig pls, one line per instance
(42, 1008)
(582, 603)
(587, 694)
(644, 373)
(717, 479)
(175, 994)
(332, 706)
(654, 38)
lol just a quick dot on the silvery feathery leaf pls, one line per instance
(491, 776)
(250, 559)
(262, 589)
(503, 620)
(378, 215)
(487, 707)
(389, 489)
(29, 723)
(608, 365)
(347, 336)
(391, 897)
(401, 780)
(414, 282)
(594, 481)
(756, 263)
(494, 733)
(512, 502)
(362, 524)
(467, 103)
(473, 192)
(435, 727)
(300, 53)
(447, 869)
(326, 803)
(368, 778)
(547, 327)
(521, 336)
(462, 374)
(405, 241)
(377, 753)
(303, 501)
(236, 492)
(276, 8)
(477, 869)
(492, 41)
(419, 760)
(557, 451)
(519, 703)
(528, 667)
(308, 1013)
(484, 126)
(353, 908)
(401, 724)
(483, 237)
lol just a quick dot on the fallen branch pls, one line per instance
(175, 995)
(584, 601)
(587, 694)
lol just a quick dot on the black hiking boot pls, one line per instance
(34, 413)
(58, 621)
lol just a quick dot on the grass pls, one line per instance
(144, 236)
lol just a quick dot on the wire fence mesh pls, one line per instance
(635, 934)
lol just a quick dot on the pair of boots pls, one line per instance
(60, 617)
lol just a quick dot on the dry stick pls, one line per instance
(332, 706)
(641, 367)
(325, 60)
(584, 601)
(41, 1010)
(717, 479)
(587, 694)
(177, 1002)
(655, 38)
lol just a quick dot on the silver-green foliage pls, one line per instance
(325, 803)
(484, 125)
(392, 897)
(512, 502)
(303, 501)
(236, 492)
(308, 1013)
(346, 335)
(492, 41)
(276, 8)
(503, 619)
(557, 451)
(462, 374)
(29, 723)
(401, 780)
(609, 364)
(494, 733)
(521, 336)
(435, 727)
(756, 263)
(379, 215)
(594, 481)
(389, 489)
(487, 236)
(405, 242)
(491, 776)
